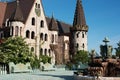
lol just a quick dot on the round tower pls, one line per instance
(79, 30)
(16, 21)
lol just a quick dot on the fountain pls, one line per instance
(105, 65)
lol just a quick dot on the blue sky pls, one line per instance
(102, 17)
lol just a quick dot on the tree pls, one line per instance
(15, 49)
(118, 49)
(45, 59)
(92, 54)
(81, 56)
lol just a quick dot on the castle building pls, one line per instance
(44, 35)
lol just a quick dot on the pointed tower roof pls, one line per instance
(53, 24)
(17, 14)
(79, 22)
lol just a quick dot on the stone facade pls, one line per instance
(44, 35)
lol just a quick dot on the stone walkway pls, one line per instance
(50, 75)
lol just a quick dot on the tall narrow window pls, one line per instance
(56, 38)
(83, 45)
(32, 49)
(45, 52)
(11, 31)
(52, 39)
(38, 5)
(41, 51)
(16, 31)
(49, 52)
(77, 46)
(32, 35)
(42, 23)
(1, 35)
(20, 31)
(82, 35)
(46, 37)
(33, 21)
(41, 36)
(27, 34)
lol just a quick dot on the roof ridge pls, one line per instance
(59, 20)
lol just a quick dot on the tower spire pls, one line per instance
(53, 24)
(79, 22)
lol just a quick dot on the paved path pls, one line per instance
(50, 75)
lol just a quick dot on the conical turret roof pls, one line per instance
(79, 22)
(53, 24)
(17, 14)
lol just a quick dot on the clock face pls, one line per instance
(37, 11)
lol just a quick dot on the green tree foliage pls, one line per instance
(92, 55)
(35, 63)
(15, 49)
(45, 59)
(81, 56)
(118, 49)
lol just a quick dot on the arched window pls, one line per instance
(20, 31)
(41, 51)
(56, 38)
(33, 21)
(42, 23)
(11, 31)
(77, 46)
(16, 31)
(45, 52)
(38, 5)
(1, 35)
(41, 36)
(82, 35)
(52, 39)
(32, 49)
(49, 52)
(46, 37)
(32, 35)
(27, 34)
(83, 45)
(77, 35)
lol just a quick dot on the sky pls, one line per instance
(102, 17)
